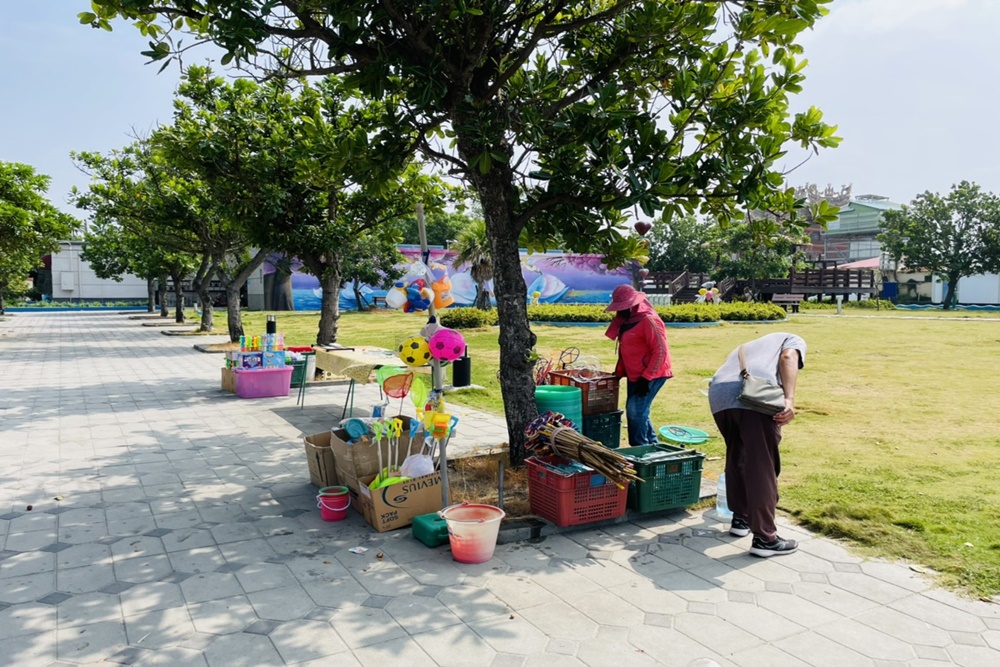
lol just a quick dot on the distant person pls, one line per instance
(753, 462)
(643, 358)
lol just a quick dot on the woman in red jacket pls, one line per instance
(643, 358)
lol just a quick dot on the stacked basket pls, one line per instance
(602, 420)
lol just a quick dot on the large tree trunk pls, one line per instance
(150, 295)
(329, 314)
(161, 294)
(178, 297)
(498, 196)
(949, 297)
(362, 304)
(234, 285)
(201, 283)
(3, 300)
(483, 296)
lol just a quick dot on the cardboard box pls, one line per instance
(319, 455)
(395, 506)
(358, 460)
(228, 380)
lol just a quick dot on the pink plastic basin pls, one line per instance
(263, 382)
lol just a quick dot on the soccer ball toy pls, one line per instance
(447, 345)
(414, 351)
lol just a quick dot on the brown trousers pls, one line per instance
(752, 467)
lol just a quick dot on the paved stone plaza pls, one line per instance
(171, 523)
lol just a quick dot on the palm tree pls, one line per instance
(473, 248)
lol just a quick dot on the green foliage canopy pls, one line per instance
(30, 226)
(955, 235)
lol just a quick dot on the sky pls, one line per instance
(912, 85)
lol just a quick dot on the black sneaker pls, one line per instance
(778, 547)
(740, 527)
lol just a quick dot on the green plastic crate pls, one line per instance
(670, 481)
(298, 372)
(605, 428)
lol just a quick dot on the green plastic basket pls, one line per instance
(672, 477)
(604, 428)
(298, 372)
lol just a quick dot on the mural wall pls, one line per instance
(558, 277)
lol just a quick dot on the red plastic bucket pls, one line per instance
(333, 502)
(472, 531)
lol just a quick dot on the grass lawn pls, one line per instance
(897, 441)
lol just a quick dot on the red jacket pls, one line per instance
(642, 344)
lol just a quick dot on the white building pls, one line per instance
(74, 280)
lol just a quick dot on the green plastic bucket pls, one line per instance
(559, 398)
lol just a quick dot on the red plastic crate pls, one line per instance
(574, 499)
(600, 390)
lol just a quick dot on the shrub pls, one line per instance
(468, 318)
(689, 312)
(751, 312)
(568, 313)
(872, 304)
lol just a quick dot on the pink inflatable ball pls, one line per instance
(447, 345)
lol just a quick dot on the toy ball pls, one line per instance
(414, 351)
(447, 345)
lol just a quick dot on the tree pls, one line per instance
(563, 117)
(473, 248)
(139, 191)
(442, 227)
(683, 243)
(757, 249)
(952, 236)
(113, 251)
(30, 226)
(372, 259)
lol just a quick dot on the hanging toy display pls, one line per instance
(414, 351)
(416, 298)
(447, 345)
(396, 297)
(441, 286)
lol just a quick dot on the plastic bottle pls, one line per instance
(721, 501)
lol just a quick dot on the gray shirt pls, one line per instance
(762, 357)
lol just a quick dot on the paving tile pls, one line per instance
(26, 619)
(28, 650)
(364, 626)
(281, 604)
(93, 642)
(262, 627)
(559, 620)
(242, 650)
(511, 635)
(938, 614)
(210, 586)
(902, 627)
(27, 563)
(304, 640)
(127, 656)
(262, 576)
(195, 561)
(151, 597)
(15, 590)
(821, 652)
(406, 651)
(32, 541)
(54, 598)
(644, 645)
(222, 617)
(142, 570)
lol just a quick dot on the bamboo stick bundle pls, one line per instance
(552, 433)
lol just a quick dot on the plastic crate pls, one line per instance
(570, 500)
(263, 382)
(605, 429)
(299, 372)
(600, 390)
(669, 482)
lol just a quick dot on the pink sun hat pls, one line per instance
(624, 297)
